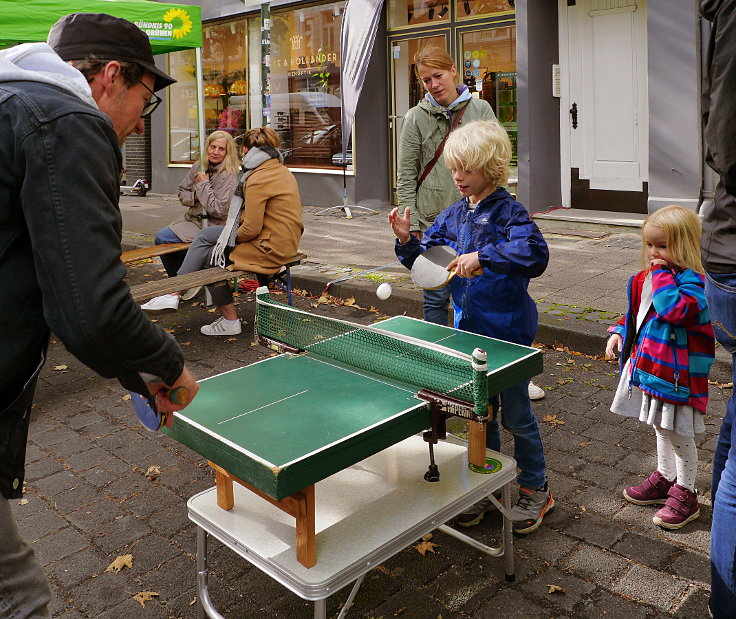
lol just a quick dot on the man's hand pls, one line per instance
(614, 342)
(466, 265)
(400, 225)
(185, 395)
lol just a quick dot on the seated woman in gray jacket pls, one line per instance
(205, 194)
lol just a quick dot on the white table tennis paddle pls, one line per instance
(430, 268)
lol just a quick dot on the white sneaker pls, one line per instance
(220, 327)
(535, 393)
(190, 293)
(164, 303)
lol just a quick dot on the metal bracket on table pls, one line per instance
(441, 407)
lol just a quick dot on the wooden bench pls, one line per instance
(143, 253)
(206, 277)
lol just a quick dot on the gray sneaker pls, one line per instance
(530, 509)
(475, 513)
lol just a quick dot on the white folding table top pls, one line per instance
(364, 514)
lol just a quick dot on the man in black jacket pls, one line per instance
(61, 129)
(719, 259)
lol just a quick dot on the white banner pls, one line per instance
(357, 34)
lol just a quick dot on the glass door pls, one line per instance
(487, 58)
(406, 91)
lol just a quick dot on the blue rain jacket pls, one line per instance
(511, 250)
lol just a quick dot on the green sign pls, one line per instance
(170, 27)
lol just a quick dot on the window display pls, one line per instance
(305, 84)
(488, 60)
(182, 104)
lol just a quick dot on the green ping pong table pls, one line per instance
(280, 425)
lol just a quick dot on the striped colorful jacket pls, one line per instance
(672, 353)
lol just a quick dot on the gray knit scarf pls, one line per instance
(253, 158)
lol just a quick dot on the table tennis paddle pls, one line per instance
(151, 419)
(430, 268)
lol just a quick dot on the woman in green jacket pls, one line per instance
(425, 125)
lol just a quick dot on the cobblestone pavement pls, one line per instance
(89, 500)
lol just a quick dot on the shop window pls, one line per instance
(225, 84)
(182, 104)
(305, 84)
(477, 8)
(225, 77)
(417, 12)
(488, 60)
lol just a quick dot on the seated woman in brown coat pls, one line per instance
(267, 235)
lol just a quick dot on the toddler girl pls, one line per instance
(667, 346)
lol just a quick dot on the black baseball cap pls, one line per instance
(79, 35)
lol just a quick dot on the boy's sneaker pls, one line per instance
(530, 509)
(221, 327)
(653, 491)
(475, 513)
(535, 391)
(681, 507)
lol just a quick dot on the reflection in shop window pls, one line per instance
(488, 66)
(305, 84)
(182, 104)
(417, 12)
(475, 8)
(225, 73)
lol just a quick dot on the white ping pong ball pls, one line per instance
(384, 291)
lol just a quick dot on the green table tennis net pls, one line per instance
(367, 348)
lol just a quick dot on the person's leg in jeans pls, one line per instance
(172, 261)
(24, 591)
(198, 255)
(720, 292)
(436, 305)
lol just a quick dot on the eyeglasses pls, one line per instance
(151, 104)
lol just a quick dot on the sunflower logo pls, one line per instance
(185, 22)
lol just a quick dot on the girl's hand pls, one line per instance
(466, 265)
(201, 176)
(615, 341)
(400, 225)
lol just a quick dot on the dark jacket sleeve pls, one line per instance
(69, 199)
(719, 98)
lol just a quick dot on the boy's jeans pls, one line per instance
(436, 304)
(519, 419)
(720, 292)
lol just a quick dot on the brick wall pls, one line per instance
(138, 155)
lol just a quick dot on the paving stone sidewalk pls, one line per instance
(91, 496)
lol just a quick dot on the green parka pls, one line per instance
(421, 133)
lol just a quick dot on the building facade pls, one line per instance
(304, 87)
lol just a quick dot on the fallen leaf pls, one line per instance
(185, 343)
(194, 601)
(23, 502)
(145, 596)
(720, 385)
(350, 301)
(553, 420)
(554, 589)
(584, 444)
(119, 563)
(126, 397)
(425, 546)
(169, 330)
(61, 368)
(564, 381)
(230, 339)
(152, 472)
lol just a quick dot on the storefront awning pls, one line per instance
(170, 27)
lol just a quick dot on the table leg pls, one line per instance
(224, 490)
(508, 535)
(477, 441)
(205, 607)
(300, 505)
